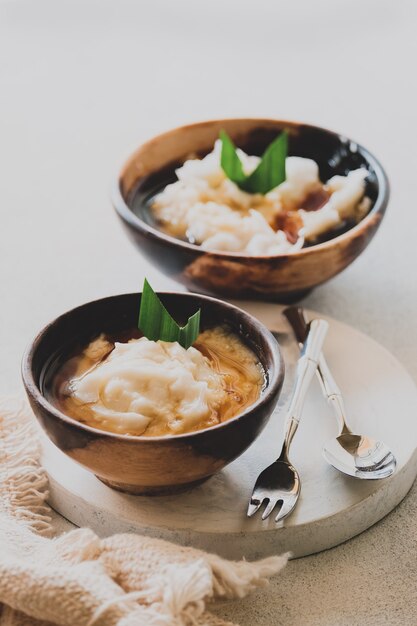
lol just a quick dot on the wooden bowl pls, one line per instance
(147, 465)
(283, 277)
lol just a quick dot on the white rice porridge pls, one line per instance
(206, 208)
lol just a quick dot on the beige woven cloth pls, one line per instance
(79, 579)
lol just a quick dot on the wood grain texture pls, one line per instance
(148, 464)
(281, 277)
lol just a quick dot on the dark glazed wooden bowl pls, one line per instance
(282, 277)
(147, 464)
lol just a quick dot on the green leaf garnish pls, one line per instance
(229, 160)
(157, 324)
(270, 172)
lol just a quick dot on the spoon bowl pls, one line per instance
(360, 456)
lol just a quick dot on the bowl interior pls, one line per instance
(153, 166)
(117, 316)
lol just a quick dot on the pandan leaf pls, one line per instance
(157, 324)
(230, 161)
(269, 173)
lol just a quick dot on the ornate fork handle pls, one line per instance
(331, 391)
(306, 368)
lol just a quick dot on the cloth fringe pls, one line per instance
(79, 579)
(23, 483)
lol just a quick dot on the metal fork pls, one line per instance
(280, 483)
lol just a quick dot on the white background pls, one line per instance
(83, 83)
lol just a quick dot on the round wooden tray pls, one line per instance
(381, 400)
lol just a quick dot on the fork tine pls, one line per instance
(287, 507)
(254, 505)
(269, 508)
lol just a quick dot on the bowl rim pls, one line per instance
(128, 216)
(272, 389)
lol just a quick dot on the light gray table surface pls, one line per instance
(83, 83)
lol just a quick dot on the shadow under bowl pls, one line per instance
(284, 277)
(147, 465)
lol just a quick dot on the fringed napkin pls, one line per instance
(79, 579)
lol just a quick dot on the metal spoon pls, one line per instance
(355, 455)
